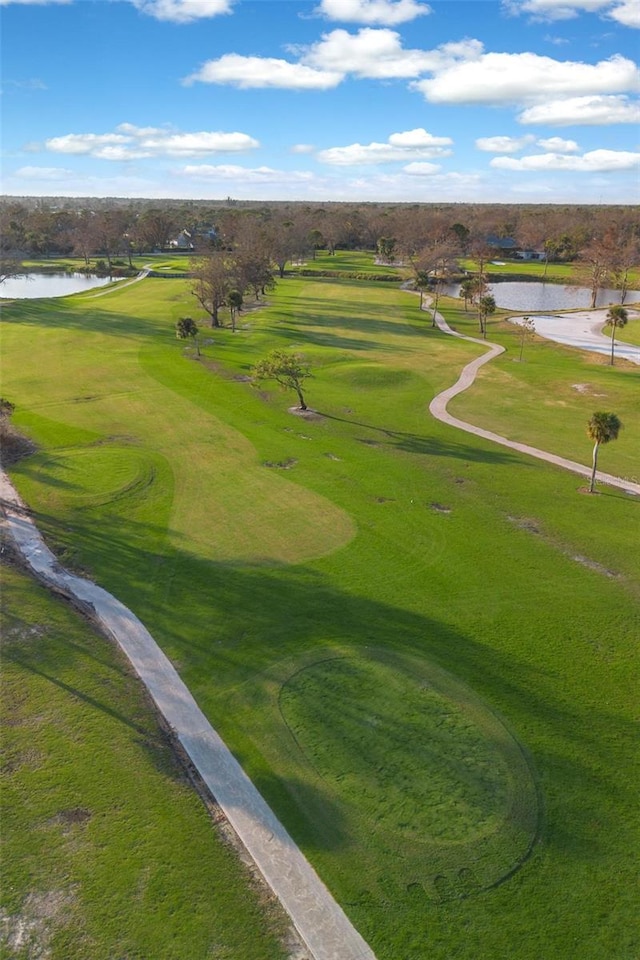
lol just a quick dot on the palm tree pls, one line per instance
(617, 318)
(486, 306)
(601, 428)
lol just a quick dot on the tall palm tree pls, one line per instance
(617, 318)
(601, 428)
(486, 307)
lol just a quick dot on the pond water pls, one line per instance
(535, 296)
(34, 285)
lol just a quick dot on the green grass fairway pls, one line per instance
(547, 399)
(107, 850)
(419, 772)
(422, 647)
(630, 333)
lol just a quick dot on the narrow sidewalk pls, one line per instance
(324, 927)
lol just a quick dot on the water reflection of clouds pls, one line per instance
(32, 286)
(537, 296)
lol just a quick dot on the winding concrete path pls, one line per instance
(320, 921)
(438, 408)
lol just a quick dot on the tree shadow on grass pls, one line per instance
(433, 446)
(85, 319)
(225, 627)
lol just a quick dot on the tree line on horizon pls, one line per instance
(237, 245)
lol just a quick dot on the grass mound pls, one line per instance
(420, 773)
(95, 476)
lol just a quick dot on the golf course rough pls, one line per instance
(418, 768)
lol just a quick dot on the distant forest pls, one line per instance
(604, 241)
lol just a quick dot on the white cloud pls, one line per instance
(558, 145)
(243, 174)
(379, 54)
(369, 53)
(81, 143)
(136, 143)
(302, 148)
(418, 169)
(192, 144)
(183, 11)
(380, 12)
(410, 145)
(583, 111)
(628, 13)
(418, 139)
(504, 144)
(555, 9)
(134, 131)
(44, 173)
(252, 72)
(501, 78)
(595, 161)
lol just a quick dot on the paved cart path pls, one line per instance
(438, 408)
(585, 330)
(120, 286)
(320, 921)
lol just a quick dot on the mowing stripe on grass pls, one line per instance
(320, 921)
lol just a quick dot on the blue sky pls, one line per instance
(383, 100)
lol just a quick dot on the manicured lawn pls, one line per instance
(547, 399)
(525, 268)
(107, 850)
(348, 261)
(630, 333)
(422, 647)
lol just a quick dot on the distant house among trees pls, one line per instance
(183, 241)
(508, 247)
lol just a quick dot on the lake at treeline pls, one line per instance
(34, 285)
(534, 296)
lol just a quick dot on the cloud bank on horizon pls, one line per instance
(337, 100)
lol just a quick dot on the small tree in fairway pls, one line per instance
(187, 329)
(601, 428)
(234, 300)
(287, 369)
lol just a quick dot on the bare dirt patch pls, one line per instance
(29, 932)
(593, 565)
(306, 414)
(74, 816)
(525, 523)
(281, 464)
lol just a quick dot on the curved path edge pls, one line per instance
(438, 409)
(146, 270)
(324, 927)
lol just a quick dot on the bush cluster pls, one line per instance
(348, 275)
